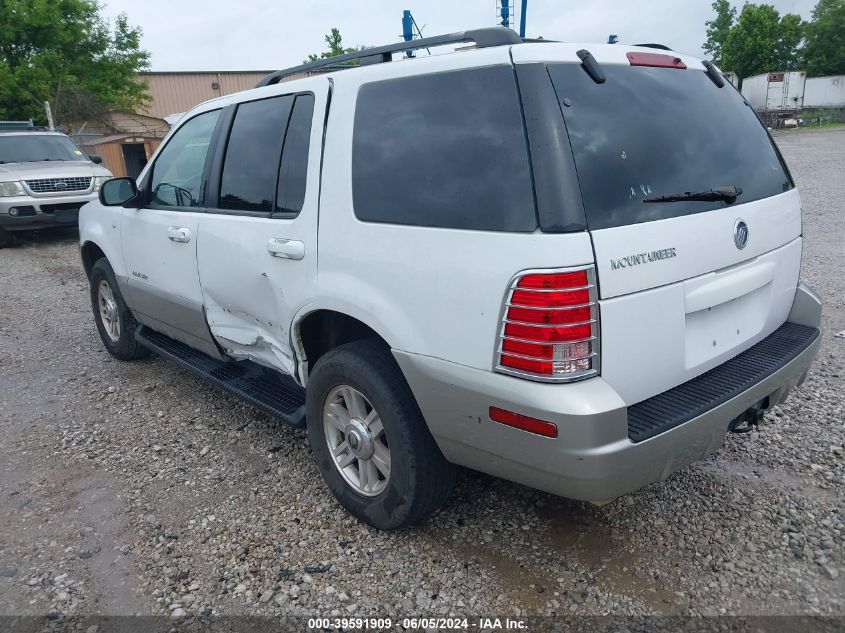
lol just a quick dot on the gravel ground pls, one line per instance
(133, 488)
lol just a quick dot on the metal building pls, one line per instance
(173, 92)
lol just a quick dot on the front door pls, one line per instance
(257, 248)
(160, 238)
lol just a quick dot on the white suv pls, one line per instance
(574, 267)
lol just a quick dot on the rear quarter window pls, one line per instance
(443, 150)
(659, 131)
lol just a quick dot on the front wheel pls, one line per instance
(114, 319)
(369, 438)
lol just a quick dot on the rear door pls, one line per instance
(684, 285)
(257, 248)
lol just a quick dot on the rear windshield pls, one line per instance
(650, 132)
(24, 148)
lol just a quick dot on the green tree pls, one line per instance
(335, 42)
(64, 52)
(718, 29)
(824, 50)
(762, 41)
(823, 6)
(788, 45)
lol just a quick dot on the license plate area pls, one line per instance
(712, 331)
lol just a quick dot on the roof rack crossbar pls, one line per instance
(483, 38)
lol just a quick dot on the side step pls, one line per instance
(276, 394)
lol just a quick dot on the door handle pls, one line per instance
(179, 234)
(288, 249)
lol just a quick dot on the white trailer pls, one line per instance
(825, 92)
(775, 91)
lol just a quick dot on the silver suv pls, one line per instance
(44, 180)
(538, 260)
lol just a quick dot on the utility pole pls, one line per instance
(49, 116)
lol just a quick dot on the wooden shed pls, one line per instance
(123, 154)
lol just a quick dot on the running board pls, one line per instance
(271, 391)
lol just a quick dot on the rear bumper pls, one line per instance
(592, 458)
(23, 213)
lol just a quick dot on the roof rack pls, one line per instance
(17, 125)
(483, 38)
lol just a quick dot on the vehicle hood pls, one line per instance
(51, 169)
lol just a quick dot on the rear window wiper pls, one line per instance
(726, 194)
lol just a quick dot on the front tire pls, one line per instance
(370, 440)
(114, 319)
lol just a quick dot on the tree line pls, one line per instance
(761, 40)
(64, 52)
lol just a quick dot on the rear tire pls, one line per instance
(114, 319)
(358, 402)
(6, 238)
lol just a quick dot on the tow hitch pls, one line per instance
(750, 418)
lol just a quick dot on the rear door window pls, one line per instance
(443, 150)
(253, 151)
(650, 132)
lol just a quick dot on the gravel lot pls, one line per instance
(133, 488)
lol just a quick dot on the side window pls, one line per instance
(251, 165)
(177, 173)
(290, 193)
(445, 150)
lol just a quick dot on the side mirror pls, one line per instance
(118, 191)
(97, 160)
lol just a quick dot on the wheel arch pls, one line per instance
(90, 253)
(320, 330)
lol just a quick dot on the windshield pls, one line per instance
(651, 132)
(29, 148)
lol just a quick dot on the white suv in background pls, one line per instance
(574, 267)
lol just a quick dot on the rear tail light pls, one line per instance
(549, 328)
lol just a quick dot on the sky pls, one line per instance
(267, 34)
